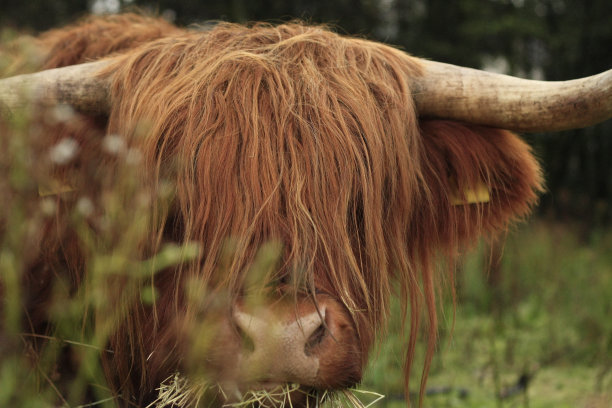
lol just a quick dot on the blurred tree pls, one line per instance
(543, 39)
(578, 40)
(40, 15)
(354, 16)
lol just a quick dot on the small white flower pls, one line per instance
(48, 207)
(64, 151)
(60, 113)
(85, 206)
(113, 144)
(133, 157)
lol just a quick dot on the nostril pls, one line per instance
(315, 339)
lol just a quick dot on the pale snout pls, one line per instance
(314, 346)
(278, 350)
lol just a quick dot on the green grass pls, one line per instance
(549, 316)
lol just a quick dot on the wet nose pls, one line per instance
(281, 350)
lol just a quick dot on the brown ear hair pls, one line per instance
(480, 179)
(475, 181)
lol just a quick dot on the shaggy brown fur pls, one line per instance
(97, 37)
(90, 39)
(294, 134)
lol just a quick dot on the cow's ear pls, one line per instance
(479, 179)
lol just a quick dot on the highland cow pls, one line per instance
(325, 147)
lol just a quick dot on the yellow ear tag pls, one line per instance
(480, 194)
(54, 187)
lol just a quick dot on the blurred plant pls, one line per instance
(94, 192)
(110, 213)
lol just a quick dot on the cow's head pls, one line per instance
(327, 147)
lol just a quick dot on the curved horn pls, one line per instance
(452, 92)
(76, 85)
(444, 91)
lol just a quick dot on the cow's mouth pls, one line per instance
(282, 394)
(277, 388)
(260, 393)
(269, 393)
(288, 352)
(270, 386)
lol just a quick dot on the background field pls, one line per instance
(541, 313)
